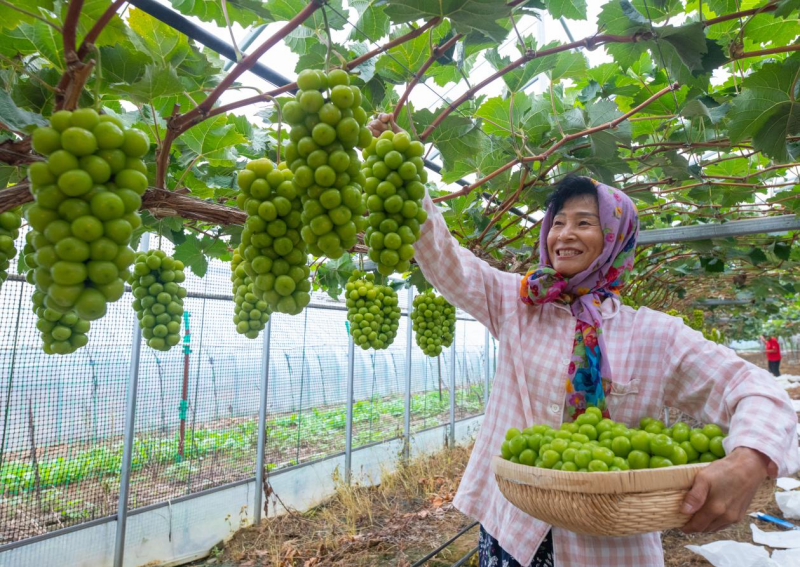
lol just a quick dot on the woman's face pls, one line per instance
(575, 238)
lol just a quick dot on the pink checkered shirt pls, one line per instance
(657, 361)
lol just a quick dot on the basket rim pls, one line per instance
(679, 477)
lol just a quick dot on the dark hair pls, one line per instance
(569, 187)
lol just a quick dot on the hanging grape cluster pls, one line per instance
(275, 253)
(250, 311)
(433, 322)
(328, 123)
(158, 298)
(372, 310)
(395, 174)
(10, 222)
(61, 333)
(86, 195)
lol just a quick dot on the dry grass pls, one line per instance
(394, 524)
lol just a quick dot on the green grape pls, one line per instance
(86, 200)
(274, 251)
(250, 310)
(61, 333)
(156, 281)
(372, 311)
(395, 177)
(433, 321)
(328, 123)
(10, 222)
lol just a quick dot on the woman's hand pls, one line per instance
(383, 122)
(722, 491)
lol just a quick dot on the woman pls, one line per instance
(567, 342)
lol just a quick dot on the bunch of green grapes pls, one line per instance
(158, 298)
(275, 252)
(250, 310)
(327, 125)
(87, 196)
(61, 333)
(372, 310)
(434, 322)
(10, 222)
(395, 174)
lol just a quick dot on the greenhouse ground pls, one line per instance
(410, 514)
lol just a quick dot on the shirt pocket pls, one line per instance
(624, 402)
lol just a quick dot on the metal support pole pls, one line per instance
(486, 371)
(452, 433)
(262, 426)
(407, 406)
(130, 424)
(348, 428)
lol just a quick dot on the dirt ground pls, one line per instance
(410, 514)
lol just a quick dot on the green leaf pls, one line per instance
(465, 15)
(572, 9)
(604, 143)
(122, 64)
(417, 279)
(155, 83)
(767, 108)
(457, 138)
(212, 140)
(688, 41)
(757, 256)
(399, 64)
(498, 113)
(243, 12)
(36, 37)
(31, 94)
(288, 9)
(712, 265)
(786, 7)
(372, 20)
(658, 11)
(194, 253)
(333, 274)
(163, 43)
(570, 65)
(11, 18)
(782, 251)
(16, 118)
(621, 18)
(767, 29)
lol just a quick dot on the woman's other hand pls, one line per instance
(722, 491)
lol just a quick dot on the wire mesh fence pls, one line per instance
(196, 426)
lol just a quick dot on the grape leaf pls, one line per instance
(767, 108)
(399, 64)
(243, 12)
(194, 252)
(569, 65)
(465, 15)
(155, 83)
(212, 140)
(372, 20)
(520, 77)
(499, 113)
(604, 143)
(122, 64)
(333, 274)
(621, 18)
(11, 18)
(15, 117)
(572, 9)
(161, 42)
(36, 37)
(288, 9)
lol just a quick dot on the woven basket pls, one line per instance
(606, 503)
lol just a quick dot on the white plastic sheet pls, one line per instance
(728, 553)
(778, 540)
(786, 483)
(789, 503)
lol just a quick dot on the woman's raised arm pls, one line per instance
(486, 293)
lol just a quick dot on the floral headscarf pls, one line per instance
(589, 374)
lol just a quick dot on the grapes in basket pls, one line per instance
(592, 443)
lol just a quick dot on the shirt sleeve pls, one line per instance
(713, 384)
(469, 283)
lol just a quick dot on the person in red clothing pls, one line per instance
(773, 350)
